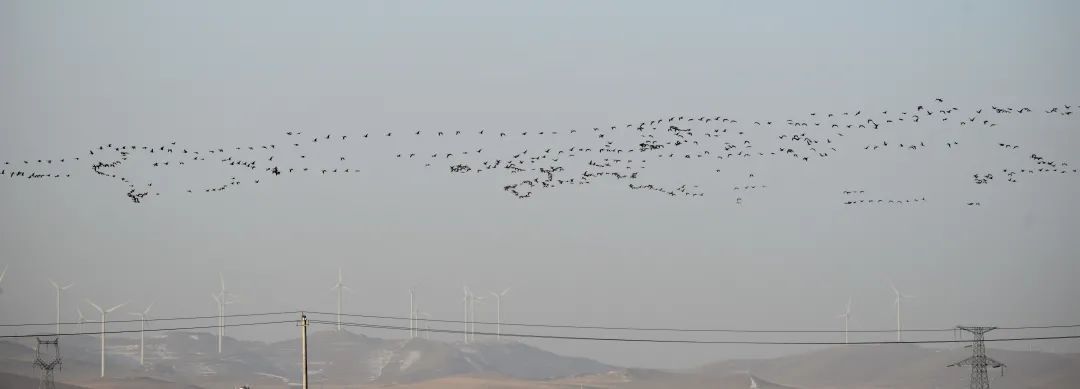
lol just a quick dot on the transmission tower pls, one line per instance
(48, 361)
(978, 359)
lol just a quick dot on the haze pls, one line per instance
(77, 74)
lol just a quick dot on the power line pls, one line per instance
(149, 330)
(689, 341)
(672, 329)
(536, 325)
(559, 337)
(177, 318)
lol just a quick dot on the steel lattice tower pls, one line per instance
(978, 360)
(47, 361)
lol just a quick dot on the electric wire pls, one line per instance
(46, 335)
(673, 329)
(153, 319)
(686, 341)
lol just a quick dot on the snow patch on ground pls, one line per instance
(412, 357)
(283, 379)
(475, 366)
(379, 362)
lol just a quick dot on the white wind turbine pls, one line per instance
(142, 327)
(472, 310)
(412, 313)
(427, 324)
(339, 287)
(899, 298)
(222, 298)
(82, 319)
(498, 310)
(467, 300)
(846, 316)
(59, 290)
(104, 316)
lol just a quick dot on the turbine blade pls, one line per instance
(65, 287)
(54, 284)
(115, 308)
(505, 291)
(3, 273)
(95, 306)
(147, 310)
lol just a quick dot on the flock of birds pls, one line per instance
(537, 161)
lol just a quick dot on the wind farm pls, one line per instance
(549, 195)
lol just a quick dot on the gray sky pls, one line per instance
(79, 74)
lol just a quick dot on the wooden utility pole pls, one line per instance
(303, 349)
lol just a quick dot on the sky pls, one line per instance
(80, 74)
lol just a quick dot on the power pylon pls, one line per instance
(47, 361)
(978, 359)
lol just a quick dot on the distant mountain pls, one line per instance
(8, 380)
(177, 360)
(901, 367)
(189, 358)
(344, 357)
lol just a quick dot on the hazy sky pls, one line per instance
(78, 74)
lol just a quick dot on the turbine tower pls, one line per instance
(466, 300)
(427, 324)
(222, 298)
(2, 273)
(59, 290)
(472, 311)
(899, 323)
(846, 316)
(498, 314)
(104, 316)
(412, 313)
(339, 287)
(142, 327)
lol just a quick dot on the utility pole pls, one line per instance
(978, 360)
(49, 363)
(303, 349)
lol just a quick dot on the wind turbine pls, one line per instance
(899, 298)
(340, 286)
(498, 310)
(427, 324)
(59, 290)
(222, 299)
(104, 314)
(2, 273)
(846, 316)
(472, 310)
(82, 319)
(467, 300)
(753, 383)
(142, 328)
(412, 313)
